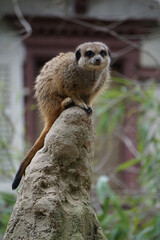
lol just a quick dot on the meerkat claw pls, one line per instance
(88, 110)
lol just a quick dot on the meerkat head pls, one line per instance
(92, 55)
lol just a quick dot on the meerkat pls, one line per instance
(73, 78)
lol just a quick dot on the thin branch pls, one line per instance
(128, 142)
(117, 181)
(24, 23)
(105, 159)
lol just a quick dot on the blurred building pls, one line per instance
(32, 32)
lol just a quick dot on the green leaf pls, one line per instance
(127, 164)
(105, 209)
(123, 81)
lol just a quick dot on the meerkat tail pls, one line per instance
(38, 145)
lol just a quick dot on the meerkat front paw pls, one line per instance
(67, 103)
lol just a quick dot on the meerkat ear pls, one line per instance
(109, 53)
(78, 55)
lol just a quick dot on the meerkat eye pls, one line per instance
(103, 53)
(89, 54)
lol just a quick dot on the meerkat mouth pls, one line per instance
(97, 63)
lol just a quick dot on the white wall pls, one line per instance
(123, 9)
(39, 8)
(106, 9)
(151, 45)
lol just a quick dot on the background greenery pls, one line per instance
(134, 215)
(123, 216)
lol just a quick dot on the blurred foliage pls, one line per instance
(7, 201)
(136, 215)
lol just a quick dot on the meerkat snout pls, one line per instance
(97, 61)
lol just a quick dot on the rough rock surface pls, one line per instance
(53, 202)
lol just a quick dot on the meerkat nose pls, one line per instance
(97, 61)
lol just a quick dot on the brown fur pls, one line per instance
(70, 78)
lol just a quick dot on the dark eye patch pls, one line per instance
(103, 53)
(89, 54)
